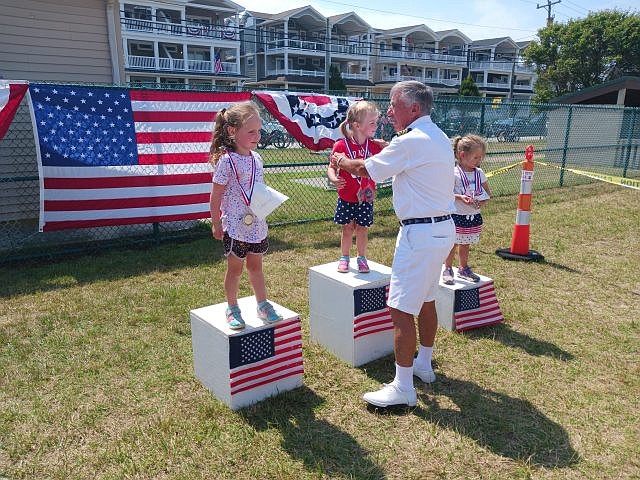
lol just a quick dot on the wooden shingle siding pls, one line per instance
(43, 40)
(65, 40)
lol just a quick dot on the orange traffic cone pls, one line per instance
(520, 241)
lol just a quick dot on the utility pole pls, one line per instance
(548, 7)
(327, 58)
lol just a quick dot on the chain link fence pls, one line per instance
(597, 139)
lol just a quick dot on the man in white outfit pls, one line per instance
(421, 161)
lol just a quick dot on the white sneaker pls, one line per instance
(390, 395)
(427, 375)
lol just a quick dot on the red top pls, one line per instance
(349, 193)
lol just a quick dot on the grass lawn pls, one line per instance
(97, 379)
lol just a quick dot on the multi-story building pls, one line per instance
(293, 49)
(181, 42)
(497, 68)
(419, 53)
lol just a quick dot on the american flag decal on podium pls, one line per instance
(476, 307)
(371, 313)
(265, 356)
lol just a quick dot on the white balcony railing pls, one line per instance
(302, 73)
(504, 66)
(178, 64)
(188, 29)
(360, 50)
(355, 76)
(307, 46)
(425, 56)
(315, 73)
(443, 81)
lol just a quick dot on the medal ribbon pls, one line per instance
(246, 197)
(353, 156)
(467, 185)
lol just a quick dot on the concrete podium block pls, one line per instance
(348, 313)
(242, 367)
(466, 305)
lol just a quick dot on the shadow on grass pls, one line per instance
(323, 447)
(73, 270)
(559, 266)
(507, 426)
(504, 334)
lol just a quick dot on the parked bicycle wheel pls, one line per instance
(279, 140)
(264, 139)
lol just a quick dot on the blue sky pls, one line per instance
(518, 19)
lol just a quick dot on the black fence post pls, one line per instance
(566, 143)
(629, 139)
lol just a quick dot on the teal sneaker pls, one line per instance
(267, 313)
(234, 318)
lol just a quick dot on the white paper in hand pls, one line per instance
(265, 200)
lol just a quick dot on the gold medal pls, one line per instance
(248, 219)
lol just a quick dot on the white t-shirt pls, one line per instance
(233, 205)
(421, 163)
(461, 207)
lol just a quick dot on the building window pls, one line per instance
(249, 61)
(171, 81)
(142, 81)
(315, 62)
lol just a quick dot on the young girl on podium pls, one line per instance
(237, 168)
(471, 191)
(354, 210)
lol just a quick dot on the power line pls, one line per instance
(456, 22)
(578, 6)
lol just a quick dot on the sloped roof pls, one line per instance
(492, 42)
(286, 14)
(454, 31)
(334, 19)
(605, 91)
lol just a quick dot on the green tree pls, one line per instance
(468, 88)
(585, 52)
(336, 83)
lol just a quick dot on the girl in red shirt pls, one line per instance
(354, 210)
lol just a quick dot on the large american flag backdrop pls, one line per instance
(116, 156)
(371, 313)
(476, 307)
(265, 356)
(313, 120)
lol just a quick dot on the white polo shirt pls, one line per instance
(421, 163)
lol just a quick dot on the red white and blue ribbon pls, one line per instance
(467, 185)
(365, 151)
(246, 197)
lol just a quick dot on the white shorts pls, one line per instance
(417, 263)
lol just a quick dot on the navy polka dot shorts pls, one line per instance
(362, 213)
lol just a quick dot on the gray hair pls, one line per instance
(412, 91)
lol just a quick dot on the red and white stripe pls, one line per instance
(488, 313)
(373, 322)
(11, 94)
(286, 362)
(469, 230)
